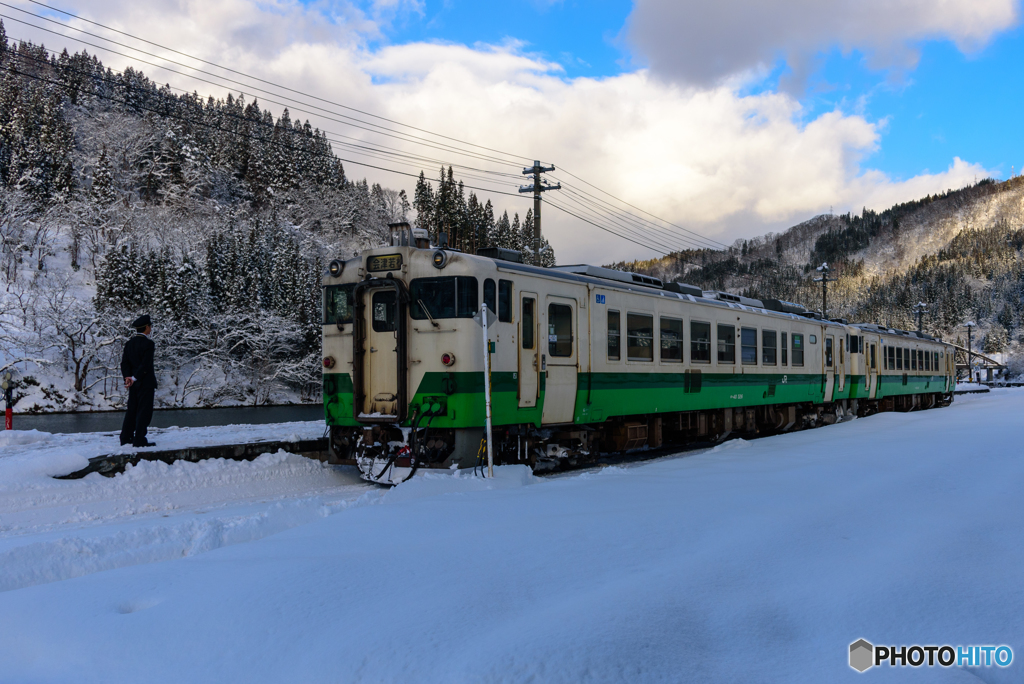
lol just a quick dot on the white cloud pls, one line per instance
(708, 158)
(704, 42)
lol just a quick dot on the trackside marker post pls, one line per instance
(8, 388)
(487, 389)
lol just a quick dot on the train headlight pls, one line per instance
(336, 267)
(440, 258)
(328, 362)
(448, 359)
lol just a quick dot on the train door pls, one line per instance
(872, 368)
(559, 359)
(828, 360)
(380, 360)
(947, 360)
(841, 366)
(529, 350)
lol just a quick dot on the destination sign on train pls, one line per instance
(384, 262)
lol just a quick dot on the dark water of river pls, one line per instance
(110, 421)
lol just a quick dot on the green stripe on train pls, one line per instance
(600, 396)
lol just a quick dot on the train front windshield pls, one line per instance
(338, 303)
(445, 297)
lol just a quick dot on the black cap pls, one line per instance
(141, 322)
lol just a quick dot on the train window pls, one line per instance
(445, 297)
(871, 361)
(671, 339)
(920, 359)
(906, 359)
(842, 356)
(726, 344)
(385, 311)
(927, 361)
(529, 325)
(639, 337)
(890, 358)
(899, 358)
(614, 336)
(798, 349)
(828, 352)
(784, 347)
(338, 303)
(748, 346)
(700, 342)
(505, 301)
(814, 339)
(491, 295)
(768, 348)
(560, 330)
(935, 361)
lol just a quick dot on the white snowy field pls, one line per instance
(753, 561)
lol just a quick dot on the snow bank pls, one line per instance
(29, 458)
(21, 437)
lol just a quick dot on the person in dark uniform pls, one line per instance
(140, 379)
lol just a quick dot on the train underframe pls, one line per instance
(390, 454)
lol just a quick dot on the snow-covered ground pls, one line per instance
(753, 561)
(51, 530)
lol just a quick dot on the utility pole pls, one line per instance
(970, 325)
(919, 309)
(537, 188)
(824, 280)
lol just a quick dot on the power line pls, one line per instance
(255, 78)
(249, 76)
(406, 137)
(679, 242)
(607, 230)
(252, 137)
(247, 121)
(653, 243)
(713, 244)
(368, 149)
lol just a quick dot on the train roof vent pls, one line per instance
(734, 299)
(611, 274)
(683, 288)
(784, 307)
(501, 254)
(721, 296)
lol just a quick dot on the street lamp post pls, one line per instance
(919, 309)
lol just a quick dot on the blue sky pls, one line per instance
(950, 104)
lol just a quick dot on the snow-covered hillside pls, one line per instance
(752, 561)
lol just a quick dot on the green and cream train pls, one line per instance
(583, 361)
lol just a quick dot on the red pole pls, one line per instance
(9, 419)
